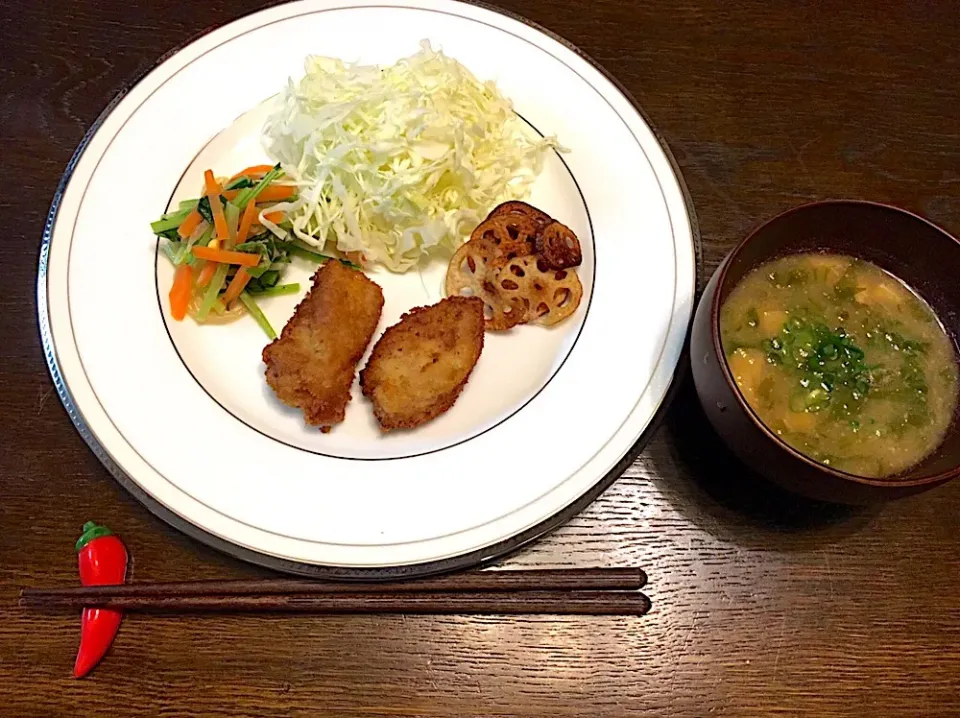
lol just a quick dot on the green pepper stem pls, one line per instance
(91, 530)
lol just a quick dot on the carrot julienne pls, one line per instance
(224, 232)
(210, 184)
(180, 291)
(192, 221)
(256, 170)
(237, 285)
(206, 274)
(225, 256)
(213, 194)
(249, 212)
(276, 192)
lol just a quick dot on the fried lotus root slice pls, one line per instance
(471, 274)
(513, 235)
(524, 210)
(548, 295)
(559, 246)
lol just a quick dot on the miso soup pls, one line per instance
(843, 361)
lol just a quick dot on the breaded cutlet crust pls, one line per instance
(420, 365)
(312, 364)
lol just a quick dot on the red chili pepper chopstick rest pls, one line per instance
(102, 560)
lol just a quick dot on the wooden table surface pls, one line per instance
(762, 604)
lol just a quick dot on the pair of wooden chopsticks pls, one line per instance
(596, 591)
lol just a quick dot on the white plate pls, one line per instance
(181, 414)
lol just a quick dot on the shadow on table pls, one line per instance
(710, 486)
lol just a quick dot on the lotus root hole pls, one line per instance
(487, 312)
(538, 286)
(517, 271)
(489, 288)
(542, 266)
(561, 297)
(469, 265)
(542, 309)
(561, 275)
(466, 291)
(513, 231)
(509, 284)
(569, 242)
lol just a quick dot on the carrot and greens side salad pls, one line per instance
(231, 246)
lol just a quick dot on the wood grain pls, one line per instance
(762, 604)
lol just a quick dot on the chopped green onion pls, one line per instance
(212, 291)
(250, 194)
(278, 291)
(257, 315)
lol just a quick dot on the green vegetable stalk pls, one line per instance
(212, 292)
(257, 315)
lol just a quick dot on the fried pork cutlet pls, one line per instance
(419, 366)
(312, 364)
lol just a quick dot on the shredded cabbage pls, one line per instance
(398, 162)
